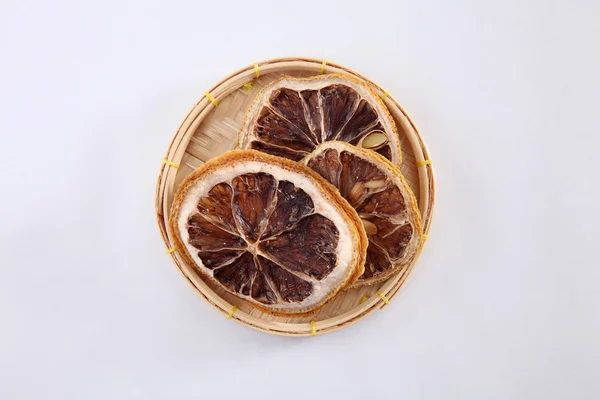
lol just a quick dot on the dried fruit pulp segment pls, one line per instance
(383, 202)
(295, 116)
(249, 242)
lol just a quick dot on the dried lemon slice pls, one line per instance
(292, 116)
(268, 230)
(383, 200)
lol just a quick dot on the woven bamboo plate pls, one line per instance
(211, 127)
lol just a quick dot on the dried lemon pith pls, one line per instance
(268, 230)
(292, 116)
(383, 200)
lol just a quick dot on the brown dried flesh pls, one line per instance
(262, 238)
(379, 204)
(294, 122)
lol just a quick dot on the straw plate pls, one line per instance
(211, 128)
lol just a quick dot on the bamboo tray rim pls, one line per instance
(177, 149)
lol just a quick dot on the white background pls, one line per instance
(504, 302)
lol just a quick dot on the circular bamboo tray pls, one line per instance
(211, 128)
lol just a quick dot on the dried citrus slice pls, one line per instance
(383, 200)
(292, 116)
(268, 230)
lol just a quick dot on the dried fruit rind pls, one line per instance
(383, 200)
(292, 116)
(268, 230)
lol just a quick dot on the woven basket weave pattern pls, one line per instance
(210, 130)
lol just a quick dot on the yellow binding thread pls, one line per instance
(425, 237)
(231, 312)
(171, 250)
(256, 70)
(364, 298)
(323, 65)
(422, 163)
(385, 299)
(170, 163)
(248, 86)
(313, 329)
(385, 95)
(211, 98)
